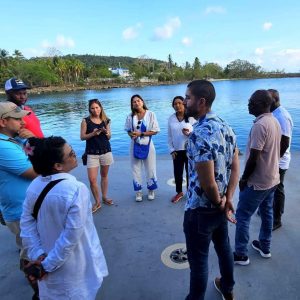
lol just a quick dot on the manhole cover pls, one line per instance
(171, 182)
(179, 256)
(175, 256)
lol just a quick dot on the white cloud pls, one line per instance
(186, 41)
(267, 26)
(45, 44)
(284, 59)
(131, 33)
(47, 47)
(291, 55)
(258, 61)
(215, 10)
(60, 42)
(64, 42)
(259, 51)
(167, 30)
(32, 52)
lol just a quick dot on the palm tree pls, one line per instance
(18, 55)
(78, 67)
(3, 58)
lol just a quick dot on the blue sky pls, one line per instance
(263, 32)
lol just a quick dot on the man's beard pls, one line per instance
(189, 113)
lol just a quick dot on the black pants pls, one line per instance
(279, 199)
(179, 163)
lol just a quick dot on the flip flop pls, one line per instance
(96, 207)
(108, 201)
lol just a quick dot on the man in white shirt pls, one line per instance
(286, 125)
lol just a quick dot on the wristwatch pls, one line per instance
(142, 134)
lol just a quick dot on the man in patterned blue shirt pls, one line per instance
(213, 173)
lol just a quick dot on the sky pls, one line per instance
(263, 32)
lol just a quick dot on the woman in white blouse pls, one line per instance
(141, 125)
(62, 240)
(179, 128)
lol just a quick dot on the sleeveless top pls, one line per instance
(98, 144)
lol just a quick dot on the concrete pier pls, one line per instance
(133, 236)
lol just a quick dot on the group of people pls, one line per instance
(214, 174)
(45, 207)
(50, 212)
(141, 124)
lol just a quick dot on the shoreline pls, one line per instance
(105, 86)
(73, 87)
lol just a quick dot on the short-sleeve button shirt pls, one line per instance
(212, 139)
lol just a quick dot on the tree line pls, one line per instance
(80, 70)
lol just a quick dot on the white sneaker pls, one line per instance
(139, 196)
(151, 195)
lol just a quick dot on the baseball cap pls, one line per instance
(15, 84)
(9, 109)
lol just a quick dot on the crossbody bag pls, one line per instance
(41, 197)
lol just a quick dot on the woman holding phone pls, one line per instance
(179, 128)
(95, 130)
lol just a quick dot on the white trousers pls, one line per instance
(148, 164)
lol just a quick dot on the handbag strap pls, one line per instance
(42, 196)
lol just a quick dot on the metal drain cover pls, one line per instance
(175, 256)
(179, 256)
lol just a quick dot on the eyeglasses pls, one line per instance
(72, 153)
(139, 123)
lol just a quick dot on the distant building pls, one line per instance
(120, 72)
(148, 80)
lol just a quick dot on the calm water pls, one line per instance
(61, 113)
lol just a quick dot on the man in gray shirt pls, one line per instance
(259, 179)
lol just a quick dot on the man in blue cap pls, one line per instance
(16, 91)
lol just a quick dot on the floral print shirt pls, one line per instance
(212, 139)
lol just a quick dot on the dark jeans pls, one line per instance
(202, 225)
(279, 199)
(179, 163)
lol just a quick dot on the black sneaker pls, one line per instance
(241, 260)
(276, 226)
(256, 245)
(225, 296)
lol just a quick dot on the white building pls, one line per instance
(120, 72)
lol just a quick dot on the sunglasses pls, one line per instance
(139, 123)
(94, 101)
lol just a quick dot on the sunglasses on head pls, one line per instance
(95, 101)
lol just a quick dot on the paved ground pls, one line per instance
(133, 236)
